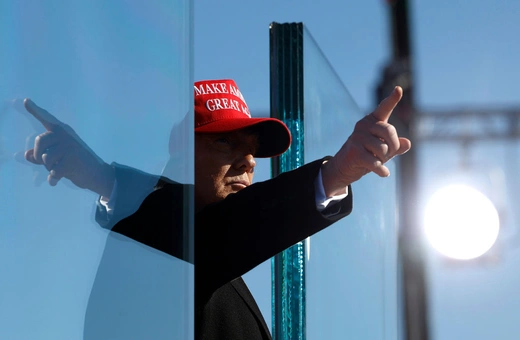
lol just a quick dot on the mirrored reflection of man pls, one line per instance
(138, 292)
(238, 224)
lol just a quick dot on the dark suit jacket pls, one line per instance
(231, 237)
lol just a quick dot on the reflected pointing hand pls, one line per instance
(65, 155)
(372, 143)
(39, 173)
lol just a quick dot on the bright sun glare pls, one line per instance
(461, 222)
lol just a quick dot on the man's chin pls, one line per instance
(237, 186)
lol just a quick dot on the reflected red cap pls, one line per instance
(220, 107)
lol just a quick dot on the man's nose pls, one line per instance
(246, 162)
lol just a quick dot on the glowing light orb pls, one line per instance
(461, 222)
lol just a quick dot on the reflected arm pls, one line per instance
(152, 210)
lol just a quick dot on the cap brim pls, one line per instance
(273, 135)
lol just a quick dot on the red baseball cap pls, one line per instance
(220, 107)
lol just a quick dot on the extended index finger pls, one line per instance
(385, 108)
(48, 120)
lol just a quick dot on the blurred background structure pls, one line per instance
(462, 234)
(399, 71)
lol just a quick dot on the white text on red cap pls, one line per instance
(222, 103)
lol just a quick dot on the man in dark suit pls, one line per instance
(237, 225)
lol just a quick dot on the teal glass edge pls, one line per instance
(286, 87)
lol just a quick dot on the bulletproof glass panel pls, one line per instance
(110, 84)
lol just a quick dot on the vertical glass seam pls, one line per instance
(288, 267)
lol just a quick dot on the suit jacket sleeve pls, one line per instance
(232, 236)
(152, 210)
(133, 186)
(247, 228)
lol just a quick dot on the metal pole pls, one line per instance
(411, 249)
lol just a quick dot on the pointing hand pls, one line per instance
(372, 143)
(64, 154)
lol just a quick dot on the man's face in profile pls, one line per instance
(224, 164)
